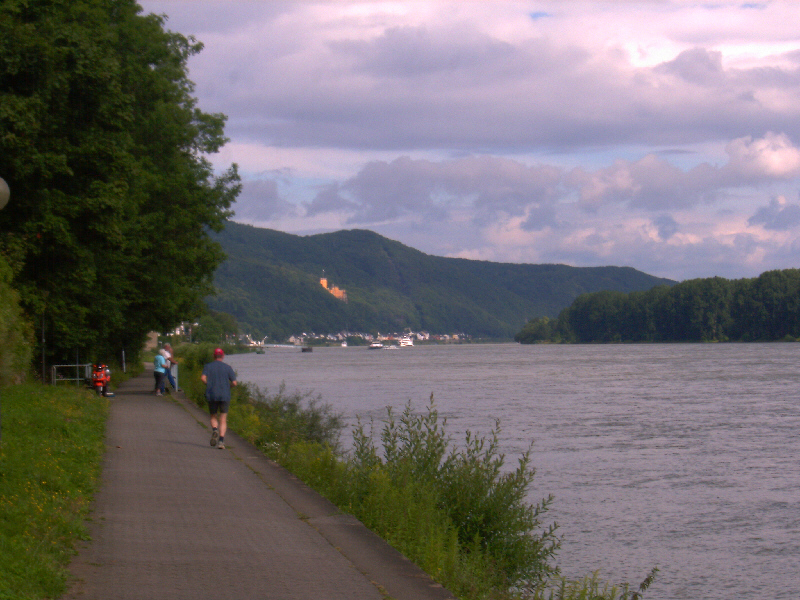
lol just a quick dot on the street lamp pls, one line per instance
(5, 194)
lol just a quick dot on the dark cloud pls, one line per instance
(418, 51)
(484, 186)
(666, 225)
(207, 16)
(697, 65)
(416, 87)
(260, 200)
(777, 216)
(329, 200)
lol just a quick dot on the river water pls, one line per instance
(685, 457)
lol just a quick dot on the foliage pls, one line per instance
(16, 337)
(541, 329)
(104, 148)
(270, 283)
(284, 419)
(483, 521)
(454, 511)
(592, 587)
(215, 327)
(766, 308)
(50, 457)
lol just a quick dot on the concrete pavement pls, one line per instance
(177, 519)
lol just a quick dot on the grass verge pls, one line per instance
(50, 457)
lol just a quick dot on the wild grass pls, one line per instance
(50, 455)
(456, 510)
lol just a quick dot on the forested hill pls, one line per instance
(271, 283)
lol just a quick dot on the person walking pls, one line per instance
(219, 377)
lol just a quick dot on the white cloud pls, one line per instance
(772, 156)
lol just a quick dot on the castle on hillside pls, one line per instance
(336, 291)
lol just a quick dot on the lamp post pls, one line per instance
(5, 194)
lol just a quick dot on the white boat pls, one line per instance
(344, 343)
(376, 346)
(406, 341)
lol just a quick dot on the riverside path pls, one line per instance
(177, 519)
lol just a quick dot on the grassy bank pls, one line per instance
(453, 509)
(50, 455)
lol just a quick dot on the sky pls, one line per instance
(661, 135)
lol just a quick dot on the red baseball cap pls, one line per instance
(218, 353)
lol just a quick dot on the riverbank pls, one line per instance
(458, 513)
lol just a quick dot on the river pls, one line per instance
(685, 457)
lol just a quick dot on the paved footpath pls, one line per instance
(177, 519)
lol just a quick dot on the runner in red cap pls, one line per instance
(219, 377)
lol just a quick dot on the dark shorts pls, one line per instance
(215, 406)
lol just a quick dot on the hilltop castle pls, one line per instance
(336, 291)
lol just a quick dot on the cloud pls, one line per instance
(659, 135)
(330, 200)
(667, 226)
(421, 52)
(487, 78)
(779, 215)
(260, 200)
(430, 190)
(771, 157)
(698, 66)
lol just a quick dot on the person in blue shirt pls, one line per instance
(159, 372)
(219, 377)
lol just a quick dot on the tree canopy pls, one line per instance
(112, 194)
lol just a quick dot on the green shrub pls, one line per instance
(592, 588)
(471, 499)
(294, 418)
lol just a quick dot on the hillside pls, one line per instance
(270, 283)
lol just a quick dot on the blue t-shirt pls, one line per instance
(219, 376)
(158, 364)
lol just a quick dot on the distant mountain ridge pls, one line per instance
(271, 283)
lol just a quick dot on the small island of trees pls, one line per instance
(765, 308)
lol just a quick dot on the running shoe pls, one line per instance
(214, 437)
(221, 446)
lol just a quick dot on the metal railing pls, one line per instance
(70, 374)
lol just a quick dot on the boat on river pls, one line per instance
(406, 341)
(376, 346)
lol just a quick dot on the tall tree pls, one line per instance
(105, 151)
